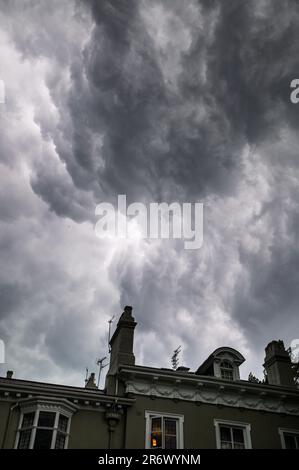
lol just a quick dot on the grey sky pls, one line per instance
(161, 101)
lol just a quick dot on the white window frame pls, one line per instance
(57, 410)
(157, 414)
(282, 431)
(231, 369)
(238, 424)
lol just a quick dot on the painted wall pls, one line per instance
(199, 430)
(9, 421)
(89, 428)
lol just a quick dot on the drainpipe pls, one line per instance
(112, 416)
(116, 387)
(125, 427)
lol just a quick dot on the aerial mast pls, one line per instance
(100, 363)
(109, 332)
(175, 358)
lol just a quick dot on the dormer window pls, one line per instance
(223, 363)
(227, 370)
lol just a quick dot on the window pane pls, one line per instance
(60, 440)
(170, 442)
(62, 423)
(24, 439)
(170, 429)
(46, 419)
(225, 433)
(238, 435)
(156, 424)
(290, 441)
(232, 438)
(43, 439)
(170, 426)
(156, 434)
(28, 419)
(225, 437)
(227, 374)
(227, 370)
(226, 365)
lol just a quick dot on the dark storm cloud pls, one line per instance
(132, 133)
(252, 62)
(250, 65)
(121, 104)
(161, 101)
(151, 137)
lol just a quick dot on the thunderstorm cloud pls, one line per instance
(163, 101)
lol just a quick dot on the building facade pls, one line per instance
(144, 407)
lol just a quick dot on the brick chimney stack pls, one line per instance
(278, 365)
(91, 382)
(121, 345)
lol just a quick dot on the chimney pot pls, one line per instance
(9, 374)
(90, 382)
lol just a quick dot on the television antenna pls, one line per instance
(109, 332)
(99, 362)
(86, 374)
(175, 358)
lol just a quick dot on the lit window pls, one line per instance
(41, 429)
(164, 431)
(231, 435)
(227, 370)
(289, 438)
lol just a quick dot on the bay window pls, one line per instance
(44, 425)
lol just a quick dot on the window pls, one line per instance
(232, 435)
(61, 432)
(43, 429)
(227, 370)
(25, 432)
(164, 431)
(289, 438)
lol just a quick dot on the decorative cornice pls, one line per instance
(48, 403)
(221, 396)
(209, 390)
(169, 375)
